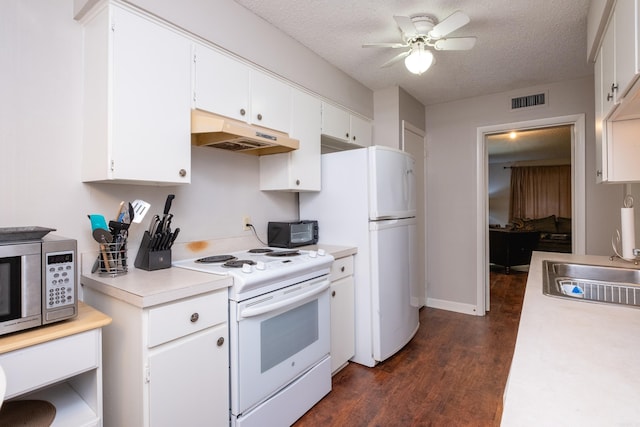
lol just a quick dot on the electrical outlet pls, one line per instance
(246, 220)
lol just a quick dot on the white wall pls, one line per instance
(451, 183)
(392, 105)
(40, 137)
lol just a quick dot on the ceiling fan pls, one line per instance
(422, 31)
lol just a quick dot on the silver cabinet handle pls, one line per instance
(182, 172)
(194, 317)
(220, 341)
(242, 112)
(259, 116)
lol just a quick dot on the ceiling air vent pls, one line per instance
(528, 101)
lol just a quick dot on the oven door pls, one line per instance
(20, 286)
(275, 338)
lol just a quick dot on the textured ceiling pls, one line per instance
(520, 43)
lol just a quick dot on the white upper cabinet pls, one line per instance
(607, 58)
(297, 170)
(617, 97)
(336, 122)
(626, 61)
(360, 131)
(221, 84)
(137, 100)
(344, 130)
(601, 155)
(226, 86)
(270, 102)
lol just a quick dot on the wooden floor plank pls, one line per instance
(452, 373)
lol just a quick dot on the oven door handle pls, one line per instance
(261, 309)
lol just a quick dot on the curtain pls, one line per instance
(540, 191)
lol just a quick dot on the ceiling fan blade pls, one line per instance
(451, 23)
(406, 25)
(396, 59)
(391, 45)
(458, 43)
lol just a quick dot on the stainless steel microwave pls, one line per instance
(292, 234)
(38, 283)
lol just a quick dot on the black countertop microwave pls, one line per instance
(292, 234)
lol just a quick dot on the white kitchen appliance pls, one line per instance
(368, 200)
(279, 321)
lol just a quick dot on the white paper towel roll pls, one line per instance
(628, 232)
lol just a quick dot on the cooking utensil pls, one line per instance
(140, 209)
(98, 221)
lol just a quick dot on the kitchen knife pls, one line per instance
(153, 225)
(166, 238)
(174, 236)
(167, 208)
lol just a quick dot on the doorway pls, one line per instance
(577, 123)
(413, 143)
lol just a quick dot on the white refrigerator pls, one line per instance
(367, 200)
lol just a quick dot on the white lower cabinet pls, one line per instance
(166, 365)
(342, 313)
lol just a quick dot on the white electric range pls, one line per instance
(279, 322)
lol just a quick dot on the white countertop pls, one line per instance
(575, 363)
(143, 288)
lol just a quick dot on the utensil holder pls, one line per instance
(149, 259)
(112, 259)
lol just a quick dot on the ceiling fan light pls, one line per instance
(419, 60)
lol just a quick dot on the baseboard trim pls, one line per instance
(453, 306)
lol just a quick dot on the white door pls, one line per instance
(391, 184)
(413, 143)
(395, 320)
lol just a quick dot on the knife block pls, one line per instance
(151, 260)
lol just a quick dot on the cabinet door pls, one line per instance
(298, 170)
(625, 46)
(342, 322)
(189, 381)
(608, 69)
(623, 151)
(221, 84)
(270, 102)
(601, 151)
(151, 78)
(360, 131)
(335, 122)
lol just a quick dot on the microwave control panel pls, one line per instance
(60, 283)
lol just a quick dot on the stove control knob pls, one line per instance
(322, 252)
(246, 268)
(313, 254)
(260, 265)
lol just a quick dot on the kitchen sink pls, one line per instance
(591, 283)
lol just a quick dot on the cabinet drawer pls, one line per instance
(187, 316)
(42, 364)
(342, 267)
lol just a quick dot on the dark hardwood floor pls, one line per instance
(452, 373)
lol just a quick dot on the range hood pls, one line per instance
(212, 130)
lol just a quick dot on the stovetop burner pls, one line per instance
(215, 259)
(260, 251)
(284, 253)
(238, 263)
